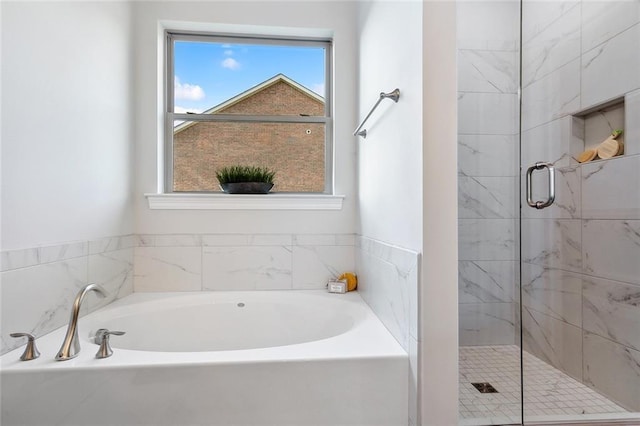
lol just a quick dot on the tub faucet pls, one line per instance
(71, 345)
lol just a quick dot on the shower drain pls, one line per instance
(484, 387)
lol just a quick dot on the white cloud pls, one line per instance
(228, 52)
(191, 92)
(318, 88)
(182, 110)
(231, 64)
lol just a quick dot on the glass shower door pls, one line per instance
(580, 249)
(488, 167)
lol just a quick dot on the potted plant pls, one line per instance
(245, 179)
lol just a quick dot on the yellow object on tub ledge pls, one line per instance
(351, 279)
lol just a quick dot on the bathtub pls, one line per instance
(217, 358)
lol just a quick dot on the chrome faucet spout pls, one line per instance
(71, 345)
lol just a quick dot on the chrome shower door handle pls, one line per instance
(552, 185)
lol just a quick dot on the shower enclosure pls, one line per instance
(549, 247)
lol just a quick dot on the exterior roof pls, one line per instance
(250, 92)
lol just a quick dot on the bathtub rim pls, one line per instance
(368, 338)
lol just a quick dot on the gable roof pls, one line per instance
(250, 92)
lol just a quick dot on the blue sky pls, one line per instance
(207, 74)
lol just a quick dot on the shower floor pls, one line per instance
(550, 394)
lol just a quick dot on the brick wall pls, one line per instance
(294, 150)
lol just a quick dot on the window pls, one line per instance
(250, 101)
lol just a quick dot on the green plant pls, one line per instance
(234, 174)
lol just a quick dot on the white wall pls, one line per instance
(67, 116)
(67, 160)
(389, 159)
(438, 321)
(335, 17)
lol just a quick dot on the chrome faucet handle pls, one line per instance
(30, 352)
(102, 339)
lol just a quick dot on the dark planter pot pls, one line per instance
(246, 187)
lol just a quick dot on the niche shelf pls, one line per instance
(595, 124)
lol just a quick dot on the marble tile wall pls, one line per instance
(580, 271)
(198, 262)
(388, 280)
(487, 170)
(38, 284)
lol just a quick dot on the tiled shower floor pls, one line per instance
(549, 393)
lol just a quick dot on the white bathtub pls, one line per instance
(217, 358)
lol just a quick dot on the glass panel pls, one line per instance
(254, 79)
(488, 168)
(580, 265)
(294, 150)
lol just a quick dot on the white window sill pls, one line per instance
(273, 201)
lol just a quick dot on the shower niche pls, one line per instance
(602, 130)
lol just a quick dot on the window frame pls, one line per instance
(170, 116)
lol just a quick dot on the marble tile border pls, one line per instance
(32, 256)
(241, 261)
(235, 240)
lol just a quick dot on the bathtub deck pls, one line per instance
(358, 377)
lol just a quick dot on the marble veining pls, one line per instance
(554, 341)
(538, 16)
(620, 79)
(487, 71)
(388, 282)
(611, 249)
(474, 120)
(486, 197)
(487, 324)
(486, 281)
(612, 311)
(556, 45)
(247, 268)
(242, 261)
(610, 188)
(313, 266)
(594, 13)
(613, 369)
(552, 242)
(167, 268)
(553, 96)
(552, 142)
(487, 155)
(37, 299)
(22, 258)
(114, 271)
(486, 239)
(553, 292)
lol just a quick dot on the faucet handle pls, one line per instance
(30, 352)
(102, 339)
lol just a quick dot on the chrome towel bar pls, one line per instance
(395, 95)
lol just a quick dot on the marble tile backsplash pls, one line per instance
(388, 281)
(39, 283)
(212, 262)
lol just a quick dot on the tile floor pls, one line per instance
(549, 393)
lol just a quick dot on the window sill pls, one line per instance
(274, 201)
